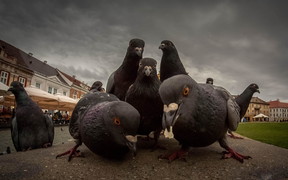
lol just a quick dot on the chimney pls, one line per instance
(74, 76)
(45, 62)
(30, 54)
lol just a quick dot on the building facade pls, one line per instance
(45, 76)
(77, 88)
(16, 65)
(257, 106)
(12, 67)
(278, 111)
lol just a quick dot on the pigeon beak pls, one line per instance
(139, 51)
(131, 143)
(147, 70)
(169, 115)
(161, 46)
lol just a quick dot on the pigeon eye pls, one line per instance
(185, 91)
(117, 121)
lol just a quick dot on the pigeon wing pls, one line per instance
(14, 134)
(233, 110)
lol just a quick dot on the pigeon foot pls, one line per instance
(47, 145)
(180, 154)
(234, 137)
(235, 155)
(73, 152)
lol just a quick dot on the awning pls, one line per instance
(44, 99)
(261, 116)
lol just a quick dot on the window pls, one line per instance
(38, 85)
(22, 81)
(50, 90)
(64, 93)
(75, 95)
(4, 77)
(55, 91)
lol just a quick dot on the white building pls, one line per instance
(278, 111)
(45, 76)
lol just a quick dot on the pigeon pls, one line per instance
(120, 80)
(144, 96)
(31, 128)
(106, 125)
(198, 115)
(89, 99)
(8, 151)
(170, 63)
(97, 86)
(243, 100)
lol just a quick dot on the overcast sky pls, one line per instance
(235, 42)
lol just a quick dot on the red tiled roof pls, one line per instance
(30, 62)
(13, 51)
(72, 79)
(278, 104)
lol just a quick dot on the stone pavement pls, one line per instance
(269, 162)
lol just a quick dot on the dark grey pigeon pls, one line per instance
(143, 94)
(199, 114)
(30, 129)
(120, 80)
(92, 98)
(243, 100)
(97, 86)
(106, 125)
(171, 64)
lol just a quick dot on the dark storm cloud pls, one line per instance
(235, 42)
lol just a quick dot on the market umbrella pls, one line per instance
(261, 116)
(65, 103)
(3, 89)
(42, 98)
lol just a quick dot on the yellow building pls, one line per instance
(256, 107)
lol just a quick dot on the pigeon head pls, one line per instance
(123, 121)
(16, 87)
(166, 46)
(147, 67)
(136, 47)
(254, 88)
(174, 93)
(97, 85)
(209, 81)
